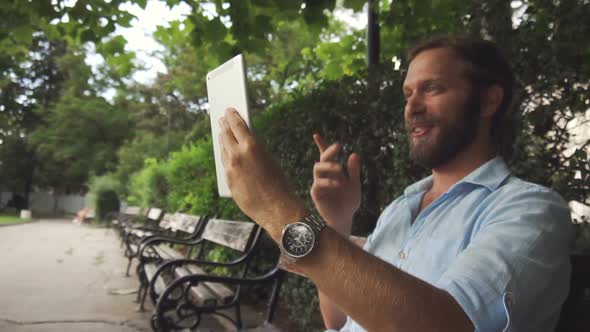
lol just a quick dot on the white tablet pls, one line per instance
(226, 87)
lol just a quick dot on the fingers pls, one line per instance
(332, 170)
(319, 142)
(227, 140)
(331, 153)
(226, 134)
(327, 153)
(354, 168)
(325, 187)
(326, 184)
(237, 125)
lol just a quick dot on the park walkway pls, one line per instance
(58, 276)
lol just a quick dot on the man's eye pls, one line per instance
(431, 88)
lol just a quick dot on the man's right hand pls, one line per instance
(336, 193)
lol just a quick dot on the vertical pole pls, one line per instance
(373, 42)
(373, 46)
(168, 135)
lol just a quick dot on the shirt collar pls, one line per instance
(489, 175)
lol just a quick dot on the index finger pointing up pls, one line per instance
(237, 125)
(319, 142)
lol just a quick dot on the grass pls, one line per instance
(11, 219)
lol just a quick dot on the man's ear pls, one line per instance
(492, 99)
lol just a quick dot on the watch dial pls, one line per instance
(298, 239)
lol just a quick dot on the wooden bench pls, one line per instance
(183, 291)
(134, 233)
(124, 218)
(154, 250)
(150, 226)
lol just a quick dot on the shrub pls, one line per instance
(103, 195)
(148, 187)
(106, 201)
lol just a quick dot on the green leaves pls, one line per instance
(313, 13)
(82, 133)
(88, 36)
(356, 5)
(214, 30)
(113, 47)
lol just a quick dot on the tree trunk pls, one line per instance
(29, 181)
(371, 206)
(373, 37)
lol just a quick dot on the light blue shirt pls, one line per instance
(497, 244)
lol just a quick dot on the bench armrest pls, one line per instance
(194, 261)
(228, 280)
(160, 322)
(172, 264)
(157, 239)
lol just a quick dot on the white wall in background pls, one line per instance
(48, 203)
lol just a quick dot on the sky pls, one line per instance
(139, 35)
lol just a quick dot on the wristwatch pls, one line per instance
(299, 238)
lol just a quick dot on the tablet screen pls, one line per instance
(226, 87)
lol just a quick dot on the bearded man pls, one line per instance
(470, 247)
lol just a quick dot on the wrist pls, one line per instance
(274, 223)
(342, 226)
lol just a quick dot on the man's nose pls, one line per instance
(414, 104)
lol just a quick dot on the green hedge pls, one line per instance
(103, 191)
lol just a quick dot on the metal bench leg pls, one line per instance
(128, 265)
(139, 292)
(272, 304)
(238, 317)
(143, 296)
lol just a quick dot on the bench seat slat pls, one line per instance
(201, 293)
(150, 271)
(223, 293)
(167, 252)
(140, 233)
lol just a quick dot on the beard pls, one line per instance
(454, 134)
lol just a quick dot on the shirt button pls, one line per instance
(402, 255)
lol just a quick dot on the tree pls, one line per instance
(80, 139)
(33, 34)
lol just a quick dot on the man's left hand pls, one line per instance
(256, 182)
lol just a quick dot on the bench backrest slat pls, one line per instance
(186, 222)
(133, 210)
(167, 221)
(155, 214)
(229, 233)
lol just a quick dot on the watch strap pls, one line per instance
(315, 222)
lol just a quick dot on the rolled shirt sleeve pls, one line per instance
(517, 262)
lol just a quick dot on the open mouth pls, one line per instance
(421, 130)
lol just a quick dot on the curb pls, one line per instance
(19, 223)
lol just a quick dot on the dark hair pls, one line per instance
(486, 65)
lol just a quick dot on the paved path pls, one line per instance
(57, 276)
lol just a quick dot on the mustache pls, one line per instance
(421, 119)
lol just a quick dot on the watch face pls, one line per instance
(298, 239)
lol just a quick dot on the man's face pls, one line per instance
(442, 110)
